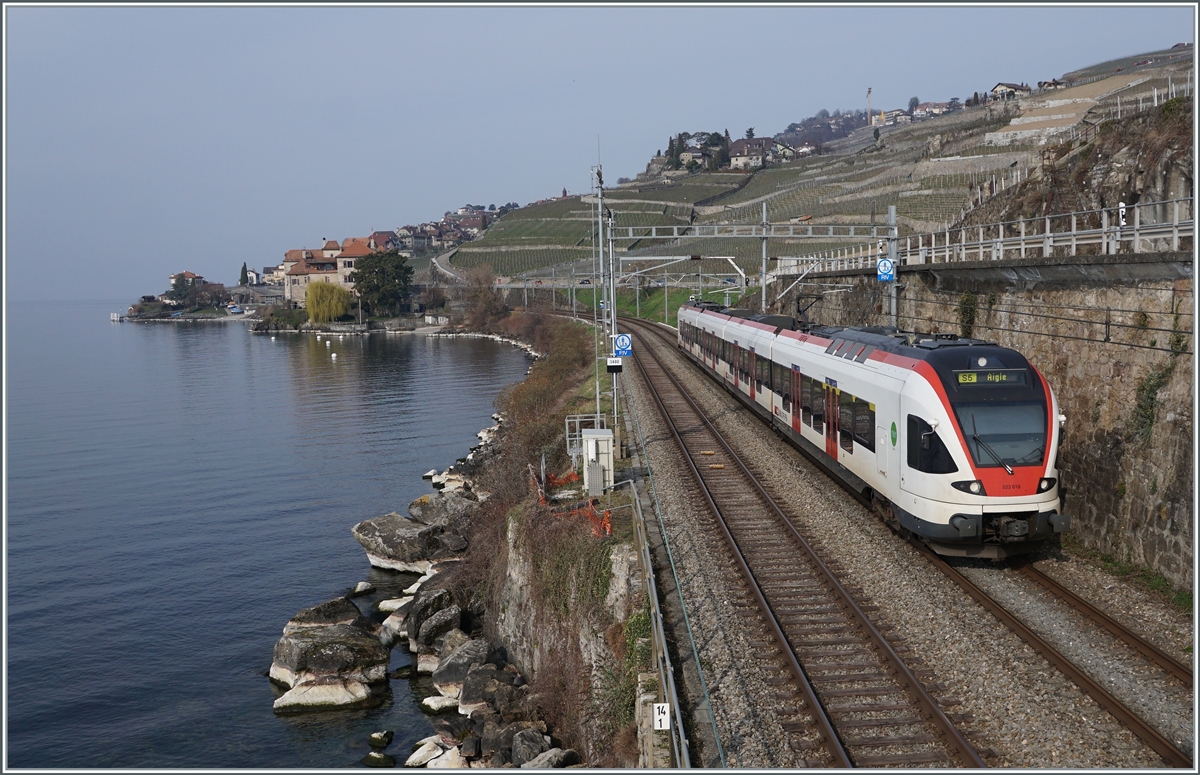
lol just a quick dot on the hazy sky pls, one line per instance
(142, 141)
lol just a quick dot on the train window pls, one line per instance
(836, 343)
(846, 422)
(864, 423)
(866, 353)
(932, 460)
(845, 348)
(1002, 432)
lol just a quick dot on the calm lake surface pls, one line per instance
(175, 493)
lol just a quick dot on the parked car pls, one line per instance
(585, 281)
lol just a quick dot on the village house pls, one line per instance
(749, 154)
(1007, 91)
(304, 266)
(191, 277)
(928, 109)
(693, 154)
(274, 275)
(778, 151)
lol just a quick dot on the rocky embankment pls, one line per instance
(335, 656)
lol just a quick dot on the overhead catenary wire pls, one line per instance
(1085, 321)
(1054, 335)
(1040, 305)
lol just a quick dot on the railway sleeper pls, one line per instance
(897, 721)
(874, 691)
(890, 740)
(846, 677)
(920, 757)
(872, 708)
(818, 667)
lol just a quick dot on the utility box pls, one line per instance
(597, 460)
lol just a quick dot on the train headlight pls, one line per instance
(1047, 484)
(974, 486)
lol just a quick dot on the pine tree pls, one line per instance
(245, 278)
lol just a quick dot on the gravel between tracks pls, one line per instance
(1029, 714)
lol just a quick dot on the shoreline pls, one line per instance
(302, 693)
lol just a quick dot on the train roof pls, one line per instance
(910, 344)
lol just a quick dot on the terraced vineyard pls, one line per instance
(837, 187)
(514, 261)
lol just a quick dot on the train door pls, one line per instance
(831, 419)
(753, 372)
(796, 412)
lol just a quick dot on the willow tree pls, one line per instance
(326, 302)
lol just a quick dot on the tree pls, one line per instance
(484, 305)
(876, 133)
(433, 297)
(381, 280)
(954, 104)
(492, 207)
(180, 289)
(750, 133)
(326, 302)
(244, 278)
(913, 102)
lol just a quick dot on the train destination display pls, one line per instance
(990, 378)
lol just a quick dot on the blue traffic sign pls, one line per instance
(623, 346)
(885, 271)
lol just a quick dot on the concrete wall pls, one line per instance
(1127, 452)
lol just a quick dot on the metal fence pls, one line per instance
(1135, 228)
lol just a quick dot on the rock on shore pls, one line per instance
(329, 656)
(411, 543)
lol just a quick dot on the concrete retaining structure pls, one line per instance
(1114, 336)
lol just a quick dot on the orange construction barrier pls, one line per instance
(601, 520)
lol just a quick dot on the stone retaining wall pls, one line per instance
(1126, 458)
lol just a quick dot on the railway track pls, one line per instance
(1170, 753)
(853, 700)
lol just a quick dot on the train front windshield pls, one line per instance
(1004, 433)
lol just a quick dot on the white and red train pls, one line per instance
(954, 439)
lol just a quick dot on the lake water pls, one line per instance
(175, 493)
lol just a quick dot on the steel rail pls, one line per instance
(953, 738)
(1165, 748)
(1150, 736)
(830, 738)
(662, 656)
(1158, 657)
